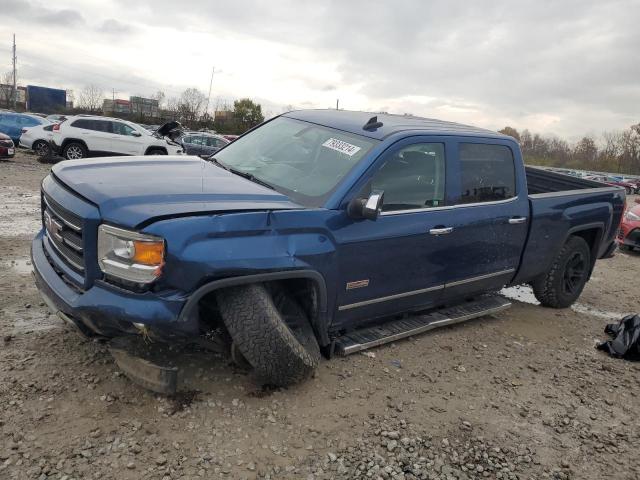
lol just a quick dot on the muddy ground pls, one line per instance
(522, 394)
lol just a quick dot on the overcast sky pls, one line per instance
(566, 67)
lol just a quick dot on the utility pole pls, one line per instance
(337, 104)
(14, 92)
(206, 110)
(113, 94)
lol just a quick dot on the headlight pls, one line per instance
(632, 216)
(131, 256)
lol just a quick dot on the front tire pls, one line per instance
(74, 151)
(561, 286)
(272, 332)
(156, 151)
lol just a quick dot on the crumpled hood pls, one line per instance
(130, 191)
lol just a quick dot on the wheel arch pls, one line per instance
(155, 147)
(67, 141)
(319, 321)
(593, 234)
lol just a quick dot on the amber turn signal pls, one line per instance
(148, 253)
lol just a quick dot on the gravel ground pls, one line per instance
(519, 395)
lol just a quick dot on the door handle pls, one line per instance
(517, 220)
(441, 230)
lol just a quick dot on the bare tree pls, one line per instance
(91, 98)
(192, 102)
(6, 90)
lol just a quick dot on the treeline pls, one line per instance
(615, 152)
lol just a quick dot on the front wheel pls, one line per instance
(272, 332)
(561, 286)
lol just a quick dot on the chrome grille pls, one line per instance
(64, 233)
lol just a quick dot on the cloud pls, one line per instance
(559, 66)
(115, 27)
(38, 13)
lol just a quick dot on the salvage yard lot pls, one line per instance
(522, 394)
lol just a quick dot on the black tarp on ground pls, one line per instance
(626, 341)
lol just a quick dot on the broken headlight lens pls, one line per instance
(128, 255)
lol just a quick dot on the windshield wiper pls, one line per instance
(250, 176)
(240, 173)
(218, 162)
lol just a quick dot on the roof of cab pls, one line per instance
(353, 122)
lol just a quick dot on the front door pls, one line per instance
(489, 218)
(125, 140)
(394, 263)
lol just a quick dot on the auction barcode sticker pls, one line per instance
(342, 147)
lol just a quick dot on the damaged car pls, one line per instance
(319, 232)
(85, 136)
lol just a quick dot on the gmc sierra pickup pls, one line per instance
(318, 231)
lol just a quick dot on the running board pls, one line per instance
(391, 331)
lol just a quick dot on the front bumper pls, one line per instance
(107, 310)
(4, 152)
(629, 237)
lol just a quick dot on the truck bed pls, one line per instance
(561, 205)
(544, 181)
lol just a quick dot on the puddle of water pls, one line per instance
(20, 266)
(524, 294)
(521, 293)
(19, 212)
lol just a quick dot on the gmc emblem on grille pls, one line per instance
(52, 226)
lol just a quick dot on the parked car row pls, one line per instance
(80, 136)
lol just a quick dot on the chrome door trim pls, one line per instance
(480, 277)
(449, 207)
(349, 306)
(389, 297)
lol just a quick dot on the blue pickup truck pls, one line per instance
(318, 232)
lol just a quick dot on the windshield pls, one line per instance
(304, 160)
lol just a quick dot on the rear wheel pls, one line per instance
(41, 148)
(74, 151)
(272, 332)
(156, 151)
(561, 286)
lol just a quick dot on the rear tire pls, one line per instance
(41, 148)
(74, 151)
(561, 286)
(272, 332)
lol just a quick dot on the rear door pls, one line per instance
(393, 264)
(488, 217)
(95, 133)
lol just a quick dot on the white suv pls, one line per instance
(91, 136)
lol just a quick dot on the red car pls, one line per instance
(629, 233)
(7, 149)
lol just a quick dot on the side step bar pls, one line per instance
(393, 330)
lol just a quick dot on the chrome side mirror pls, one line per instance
(368, 208)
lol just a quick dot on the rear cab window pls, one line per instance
(487, 173)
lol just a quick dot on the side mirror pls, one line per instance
(136, 134)
(368, 208)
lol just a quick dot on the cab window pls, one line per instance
(487, 173)
(412, 178)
